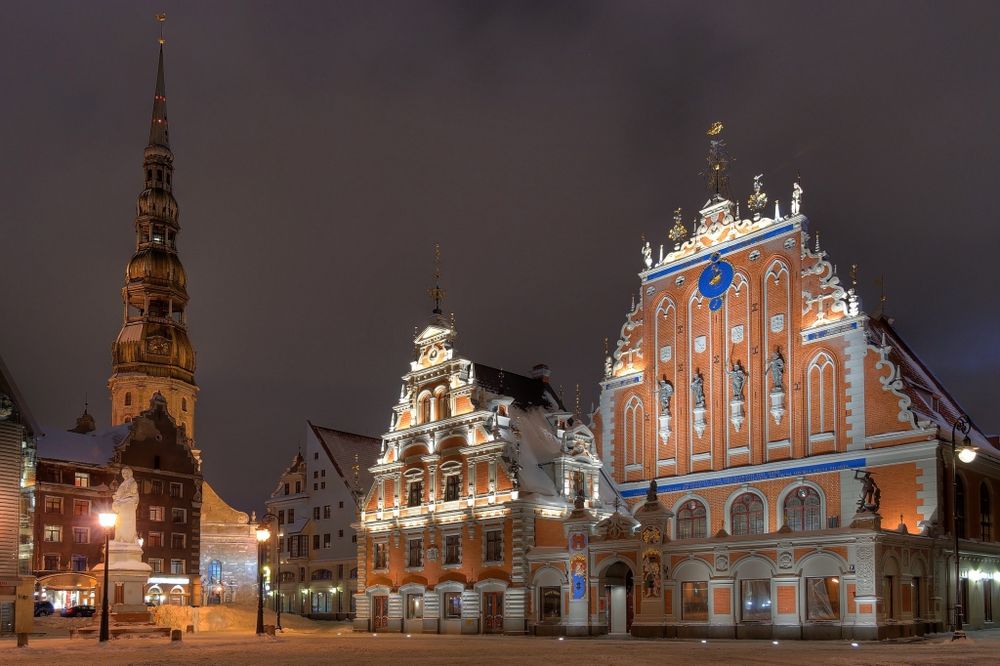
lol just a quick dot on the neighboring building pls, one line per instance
(228, 552)
(17, 502)
(77, 474)
(470, 525)
(315, 503)
(751, 387)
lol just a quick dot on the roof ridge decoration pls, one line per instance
(827, 287)
(893, 383)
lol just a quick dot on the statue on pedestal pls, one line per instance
(871, 495)
(125, 504)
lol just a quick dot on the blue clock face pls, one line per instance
(715, 280)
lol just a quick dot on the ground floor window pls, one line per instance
(414, 606)
(822, 598)
(452, 605)
(987, 600)
(321, 602)
(550, 603)
(917, 593)
(694, 601)
(964, 600)
(888, 605)
(756, 600)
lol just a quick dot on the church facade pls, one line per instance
(800, 452)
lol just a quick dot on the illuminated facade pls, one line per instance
(482, 499)
(749, 384)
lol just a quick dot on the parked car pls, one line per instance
(44, 608)
(78, 611)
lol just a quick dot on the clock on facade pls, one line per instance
(715, 280)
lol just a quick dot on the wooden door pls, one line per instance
(380, 612)
(493, 612)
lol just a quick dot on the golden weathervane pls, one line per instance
(436, 292)
(161, 19)
(715, 129)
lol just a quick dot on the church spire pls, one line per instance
(152, 353)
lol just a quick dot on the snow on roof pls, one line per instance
(95, 447)
(295, 527)
(343, 449)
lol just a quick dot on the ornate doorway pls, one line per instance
(380, 612)
(493, 612)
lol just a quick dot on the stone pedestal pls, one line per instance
(664, 427)
(867, 520)
(699, 420)
(777, 406)
(736, 416)
(128, 572)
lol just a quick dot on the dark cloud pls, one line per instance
(322, 149)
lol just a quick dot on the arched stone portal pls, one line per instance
(616, 585)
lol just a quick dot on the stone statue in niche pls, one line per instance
(698, 389)
(871, 495)
(125, 503)
(666, 391)
(738, 377)
(777, 368)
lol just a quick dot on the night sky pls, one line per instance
(323, 148)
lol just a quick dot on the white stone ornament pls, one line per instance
(778, 323)
(700, 344)
(736, 334)
(125, 503)
(666, 353)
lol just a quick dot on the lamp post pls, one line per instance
(107, 521)
(263, 534)
(277, 583)
(966, 454)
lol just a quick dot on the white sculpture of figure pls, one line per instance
(647, 255)
(125, 504)
(796, 198)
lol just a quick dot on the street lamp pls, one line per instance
(966, 454)
(107, 521)
(277, 583)
(263, 534)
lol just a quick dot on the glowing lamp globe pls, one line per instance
(263, 534)
(107, 520)
(967, 454)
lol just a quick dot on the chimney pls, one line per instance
(541, 371)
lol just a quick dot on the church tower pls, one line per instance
(152, 352)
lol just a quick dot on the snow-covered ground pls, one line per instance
(307, 642)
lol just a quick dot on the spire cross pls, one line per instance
(161, 19)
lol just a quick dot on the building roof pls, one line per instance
(8, 385)
(214, 509)
(96, 447)
(351, 455)
(526, 391)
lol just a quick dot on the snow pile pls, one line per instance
(233, 618)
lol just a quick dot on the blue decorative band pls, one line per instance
(694, 261)
(624, 381)
(749, 477)
(833, 330)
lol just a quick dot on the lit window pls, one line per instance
(694, 601)
(81, 479)
(81, 535)
(53, 504)
(692, 520)
(756, 600)
(453, 605)
(176, 566)
(551, 603)
(156, 564)
(53, 533)
(802, 510)
(747, 515)
(154, 539)
(156, 513)
(414, 606)
(823, 599)
(381, 556)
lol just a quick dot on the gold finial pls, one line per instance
(678, 232)
(436, 292)
(161, 19)
(717, 173)
(715, 129)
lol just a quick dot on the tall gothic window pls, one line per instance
(960, 507)
(803, 510)
(985, 513)
(692, 520)
(634, 431)
(747, 515)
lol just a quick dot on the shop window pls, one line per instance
(452, 605)
(692, 520)
(755, 598)
(694, 601)
(823, 599)
(550, 603)
(747, 515)
(803, 510)
(414, 606)
(987, 600)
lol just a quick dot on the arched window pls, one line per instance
(960, 507)
(322, 574)
(747, 515)
(128, 398)
(215, 571)
(985, 513)
(424, 408)
(691, 520)
(802, 510)
(634, 432)
(440, 403)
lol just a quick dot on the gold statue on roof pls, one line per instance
(678, 232)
